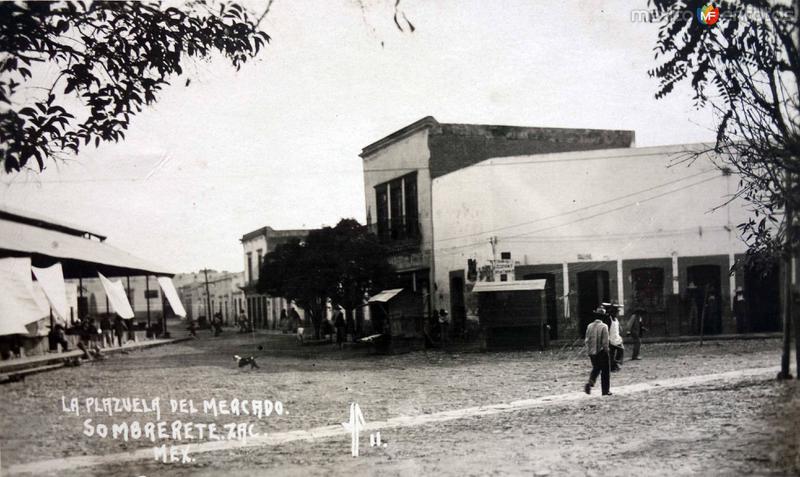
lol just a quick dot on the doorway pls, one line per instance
(593, 289)
(457, 309)
(762, 298)
(549, 298)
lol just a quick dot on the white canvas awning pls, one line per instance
(516, 285)
(17, 304)
(117, 297)
(51, 279)
(385, 295)
(172, 296)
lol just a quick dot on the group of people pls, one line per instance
(91, 334)
(605, 344)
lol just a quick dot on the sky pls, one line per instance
(277, 142)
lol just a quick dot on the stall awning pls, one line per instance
(385, 295)
(516, 285)
(172, 296)
(81, 257)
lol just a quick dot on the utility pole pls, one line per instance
(208, 297)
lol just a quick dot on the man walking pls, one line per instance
(597, 347)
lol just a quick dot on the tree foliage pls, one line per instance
(112, 57)
(341, 263)
(746, 67)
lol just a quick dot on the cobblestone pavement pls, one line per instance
(723, 428)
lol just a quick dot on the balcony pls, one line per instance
(398, 232)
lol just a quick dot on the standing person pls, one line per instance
(350, 327)
(242, 321)
(294, 320)
(218, 324)
(635, 330)
(740, 311)
(615, 341)
(597, 348)
(444, 324)
(283, 324)
(119, 329)
(107, 331)
(339, 323)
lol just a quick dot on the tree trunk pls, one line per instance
(786, 286)
(795, 297)
(786, 302)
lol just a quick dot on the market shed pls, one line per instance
(53, 252)
(512, 314)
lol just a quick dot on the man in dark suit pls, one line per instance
(635, 330)
(597, 348)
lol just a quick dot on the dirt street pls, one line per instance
(720, 428)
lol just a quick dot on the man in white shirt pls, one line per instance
(597, 347)
(617, 350)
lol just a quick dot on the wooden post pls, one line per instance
(703, 314)
(542, 318)
(80, 295)
(147, 296)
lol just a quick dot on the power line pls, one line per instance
(542, 219)
(655, 233)
(583, 219)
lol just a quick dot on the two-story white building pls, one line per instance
(635, 225)
(264, 311)
(400, 168)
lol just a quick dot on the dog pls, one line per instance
(245, 361)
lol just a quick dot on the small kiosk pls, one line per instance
(397, 316)
(512, 314)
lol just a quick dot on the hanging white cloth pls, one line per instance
(51, 279)
(117, 297)
(17, 304)
(172, 296)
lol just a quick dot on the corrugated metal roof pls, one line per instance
(21, 238)
(516, 285)
(385, 295)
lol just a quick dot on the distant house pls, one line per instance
(225, 290)
(262, 309)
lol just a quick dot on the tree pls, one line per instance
(112, 57)
(341, 263)
(743, 61)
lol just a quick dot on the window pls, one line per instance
(505, 255)
(260, 261)
(149, 294)
(397, 208)
(648, 287)
(249, 266)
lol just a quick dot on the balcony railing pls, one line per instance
(397, 230)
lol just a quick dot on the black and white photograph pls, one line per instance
(399, 238)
